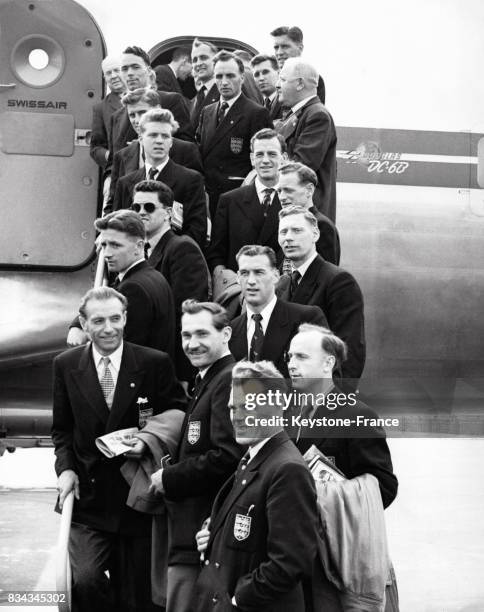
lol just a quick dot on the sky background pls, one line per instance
(415, 64)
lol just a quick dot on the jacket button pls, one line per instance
(93, 480)
(244, 482)
(207, 562)
(214, 600)
(217, 565)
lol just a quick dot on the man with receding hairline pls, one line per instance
(309, 130)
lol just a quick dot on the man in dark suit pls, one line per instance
(207, 454)
(137, 73)
(266, 76)
(190, 211)
(250, 214)
(309, 130)
(315, 353)
(260, 544)
(97, 390)
(102, 112)
(288, 42)
(225, 130)
(169, 77)
(297, 184)
(151, 319)
(265, 330)
(131, 158)
(318, 282)
(178, 258)
(203, 52)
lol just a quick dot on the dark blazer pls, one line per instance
(122, 132)
(328, 245)
(100, 130)
(207, 456)
(151, 311)
(321, 91)
(310, 137)
(339, 296)
(80, 415)
(188, 189)
(166, 79)
(225, 148)
(262, 564)
(283, 324)
(126, 160)
(276, 109)
(240, 220)
(360, 451)
(212, 96)
(181, 262)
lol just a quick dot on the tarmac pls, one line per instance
(435, 526)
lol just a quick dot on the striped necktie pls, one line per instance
(107, 382)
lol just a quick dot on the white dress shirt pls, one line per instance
(114, 362)
(158, 168)
(261, 190)
(304, 267)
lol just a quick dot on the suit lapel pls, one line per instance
(276, 336)
(129, 381)
(167, 174)
(250, 475)
(232, 117)
(238, 341)
(113, 103)
(87, 382)
(212, 96)
(158, 252)
(251, 207)
(308, 282)
(132, 158)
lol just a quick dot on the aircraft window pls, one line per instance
(38, 59)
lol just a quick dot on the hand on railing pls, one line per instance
(63, 573)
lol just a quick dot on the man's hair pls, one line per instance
(197, 42)
(304, 173)
(100, 293)
(226, 56)
(220, 317)
(140, 53)
(248, 376)
(292, 209)
(253, 250)
(245, 56)
(180, 53)
(303, 70)
(332, 344)
(165, 194)
(268, 134)
(159, 115)
(293, 33)
(126, 221)
(264, 57)
(142, 94)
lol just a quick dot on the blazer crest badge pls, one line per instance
(193, 434)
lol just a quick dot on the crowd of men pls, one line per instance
(222, 257)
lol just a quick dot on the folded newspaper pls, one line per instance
(113, 444)
(322, 469)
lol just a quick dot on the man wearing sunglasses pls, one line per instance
(178, 258)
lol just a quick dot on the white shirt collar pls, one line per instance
(156, 238)
(208, 85)
(230, 102)
(114, 357)
(260, 188)
(122, 274)
(266, 314)
(253, 450)
(272, 97)
(203, 371)
(302, 103)
(303, 268)
(158, 168)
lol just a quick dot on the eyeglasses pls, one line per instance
(148, 206)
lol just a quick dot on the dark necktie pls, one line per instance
(295, 277)
(197, 109)
(239, 472)
(116, 283)
(221, 111)
(268, 104)
(152, 174)
(266, 202)
(147, 248)
(257, 339)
